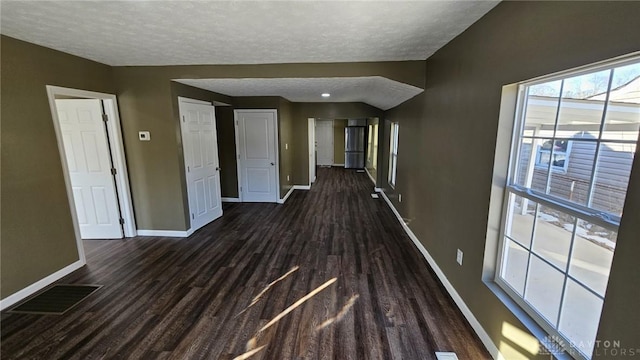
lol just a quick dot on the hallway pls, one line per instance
(328, 275)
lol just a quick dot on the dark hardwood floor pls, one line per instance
(328, 275)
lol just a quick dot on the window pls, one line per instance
(393, 153)
(560, 157)
(372, 149)
(572, 151)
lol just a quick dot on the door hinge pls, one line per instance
(192, 216)
(184, 119)
(236, 122)
(188, 169)
(105, 118)
(240, 188)
(121, 221)
(113, 171)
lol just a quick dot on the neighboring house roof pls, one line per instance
(627, 93)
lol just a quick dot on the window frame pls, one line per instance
(562, 169)
(393, 153)
(579, 212)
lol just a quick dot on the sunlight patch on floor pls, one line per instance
(248, 354)
(259, 296)
(345, 309)
(298, 303)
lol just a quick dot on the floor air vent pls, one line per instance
(56, 300)
(446, 356)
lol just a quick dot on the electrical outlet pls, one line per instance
(144, 136)
(286, 146)
(459, 257)
(287, 177)
(399, 197)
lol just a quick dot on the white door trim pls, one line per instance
(118, 155)
(312, 150)
(193, 101)
(277, 150)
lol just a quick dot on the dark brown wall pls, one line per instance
(285, 137)
(338, 140)
(452, 128)
(227, 151)
(33, 188)
(147, 101)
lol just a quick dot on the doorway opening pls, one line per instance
(324, 142)
(87, 127)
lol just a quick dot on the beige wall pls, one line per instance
(338, 141)
(37, 231)
(448, 136)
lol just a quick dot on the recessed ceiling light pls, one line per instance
(326, 94)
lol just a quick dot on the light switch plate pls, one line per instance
(459, 257)
(144, 136)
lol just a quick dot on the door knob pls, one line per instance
(217, 169)
(272, 164)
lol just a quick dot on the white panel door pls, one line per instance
(200, 146)
(89, 165)
(324, 142)
(257, 155)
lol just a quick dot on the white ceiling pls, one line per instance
(240, 32)
(373, 90)
(174, 32)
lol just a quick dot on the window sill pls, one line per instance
(535, 329)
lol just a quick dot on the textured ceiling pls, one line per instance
(240, 32)
(374, 90)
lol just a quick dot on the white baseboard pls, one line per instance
(378, 190)
(167, 233)
(294, 187)
(475, 324)
(338, 165)
(284, 199)
(230, 199)
(39, 285)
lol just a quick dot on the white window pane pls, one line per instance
(572, 183)
(578, 109)
(542, 105)
(544, 289)
(612, 177)
(393, 169)
(514, 269)
(622, 121)
(552, 239)
(580, 317)
(592, 255)
(530, 172)
(520, 217)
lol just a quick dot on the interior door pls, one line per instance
(89, 165)
(257, 155)
(200, 146)
(324, 142)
